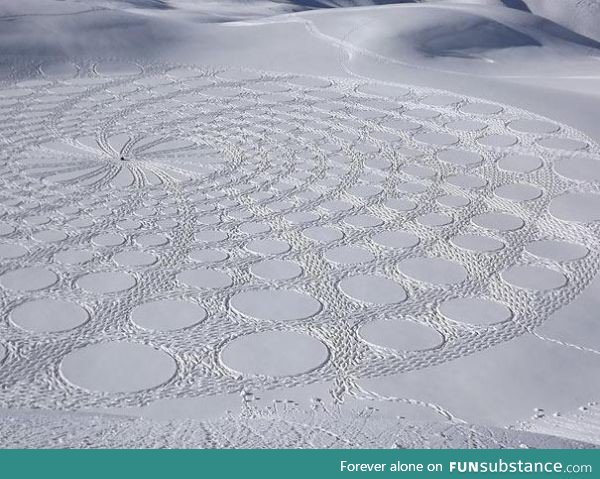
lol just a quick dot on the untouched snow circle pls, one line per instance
(204, 278)
(106, 282)
(373, 289)
(118, 366)
(167, 315)
(275, 305)
(275, 353)
(477, 311)
(400, 335)
(433, 270)
(46, 315)
(28, 279)
(580, 207)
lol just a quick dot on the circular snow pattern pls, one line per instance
(28, 279)
(69, 257)
(208, 255)
(518, 192)
(476, 311)
(533, 126)
(581, 169)
(396, 239)
(400, 335)
(520, 163)
(581, 207)
(477, 243)
(268, 247)
(167, 315)
(118, 366)
(534, 277)
(275, 353)
(107, 282)
(275, 305)
(323, 234)
(433, 270)
(276, 269)
(557, 250)
(347, 255)
(134, 258)
(108, 239)
(6, 229)
(204, 278)
(182, 207)
(498, 221)
(12, 251)
(373, 289)
(48, 315)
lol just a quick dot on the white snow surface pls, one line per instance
(299, 224)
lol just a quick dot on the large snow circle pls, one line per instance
(118, 367)
(275, 353)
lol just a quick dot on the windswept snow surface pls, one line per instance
(284, 224)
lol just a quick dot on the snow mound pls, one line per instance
(454, 36)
